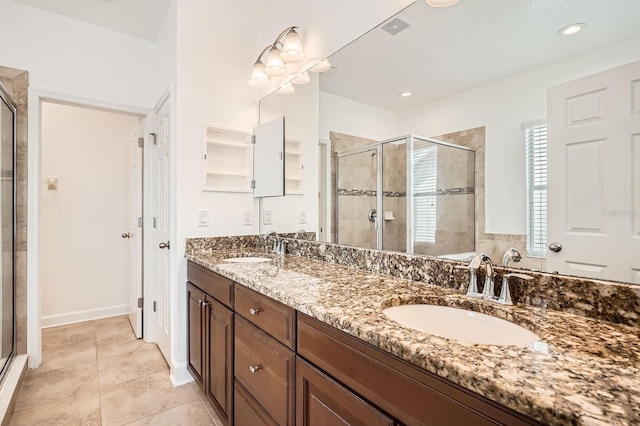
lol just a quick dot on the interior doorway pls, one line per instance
(86, 264)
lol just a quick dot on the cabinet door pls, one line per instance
(195, 315)
(321, 401)
(219, 379)
(248, 411)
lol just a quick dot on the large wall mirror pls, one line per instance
(478, 74)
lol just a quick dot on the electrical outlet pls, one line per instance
(302, 216)
(248, 217)
(203, 217)
(267, 217)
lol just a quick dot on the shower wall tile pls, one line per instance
(16, 82)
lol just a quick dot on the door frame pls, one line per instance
(34, 150)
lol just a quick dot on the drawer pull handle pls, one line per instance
(254, 369)
(254, 311)
(200, 303)
(205, 304)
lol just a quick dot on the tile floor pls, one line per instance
(98, 373)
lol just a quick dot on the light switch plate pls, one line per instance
(302, 216)
(203, 217)
(248, 217)
(266, 216)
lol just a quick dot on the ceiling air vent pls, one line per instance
(394, 26)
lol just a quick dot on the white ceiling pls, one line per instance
(138, 18)
(450, 50)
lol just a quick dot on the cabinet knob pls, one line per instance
(254, 368)
(126, 235)
(254, 311)
(200, 303)
(205, 304)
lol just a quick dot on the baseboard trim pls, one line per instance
(180, 376)
(11, 387)
(81, 316)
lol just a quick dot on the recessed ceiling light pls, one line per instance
(571, 29)
(405, 94)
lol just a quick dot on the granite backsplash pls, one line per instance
(602, 300)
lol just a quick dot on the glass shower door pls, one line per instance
(7, 143)
(356, 193)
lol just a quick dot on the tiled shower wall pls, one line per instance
(454, 211)
(16, 82)
(492, 244)
(394, 200)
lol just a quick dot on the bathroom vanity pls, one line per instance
(299, 341)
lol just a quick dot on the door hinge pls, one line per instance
(155, 222)
(140, 142)
(253, 139)
(253, 184)
(139, 222)
(154, 306)
(153, 136)
(140, 302)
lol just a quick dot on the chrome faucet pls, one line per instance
(473, 267)
(505, 294)
(509, 255)
(488, 291)
(279, 246)
(298, 233)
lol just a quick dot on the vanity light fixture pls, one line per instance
(287, 48)
(286, 89)
(302, 78)
(322, 66)
(442, 3)
(572, 29)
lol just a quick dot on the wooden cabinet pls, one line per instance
(411, 395)
(219, 366)
(195, 331)
(265, 368)
(247, 411)
(321, 401)
(210, 338)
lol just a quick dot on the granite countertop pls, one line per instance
(583, 371)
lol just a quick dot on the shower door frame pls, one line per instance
(378, 148)
(8, 100)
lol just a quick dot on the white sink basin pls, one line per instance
(460, 324)
(247, 259)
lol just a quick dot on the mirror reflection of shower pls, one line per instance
(430, 210)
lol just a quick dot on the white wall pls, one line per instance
(502, 107)
(363, 120)
(83, 256)
(75, 58)
(215, 45)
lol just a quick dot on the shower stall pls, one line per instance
(410, 194)
(7, 230)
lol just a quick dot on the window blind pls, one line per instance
(425, 181)
(536, 164)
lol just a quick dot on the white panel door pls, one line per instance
(161, 244)
(594, 175)
(134, 233)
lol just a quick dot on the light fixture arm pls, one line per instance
(275, 43)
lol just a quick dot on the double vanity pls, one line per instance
(287, 339)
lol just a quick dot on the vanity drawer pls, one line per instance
(265, 368)
(215, 285)
(271, 316)
(413, 396)
(247, 411)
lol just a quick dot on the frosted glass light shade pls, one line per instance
(322, 66)
(292, 48)
(258, 78)
(274, 65)
(302, 78)
(442, 3)
(287, 89)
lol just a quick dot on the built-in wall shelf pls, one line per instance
(227, 159)
(293, 166)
